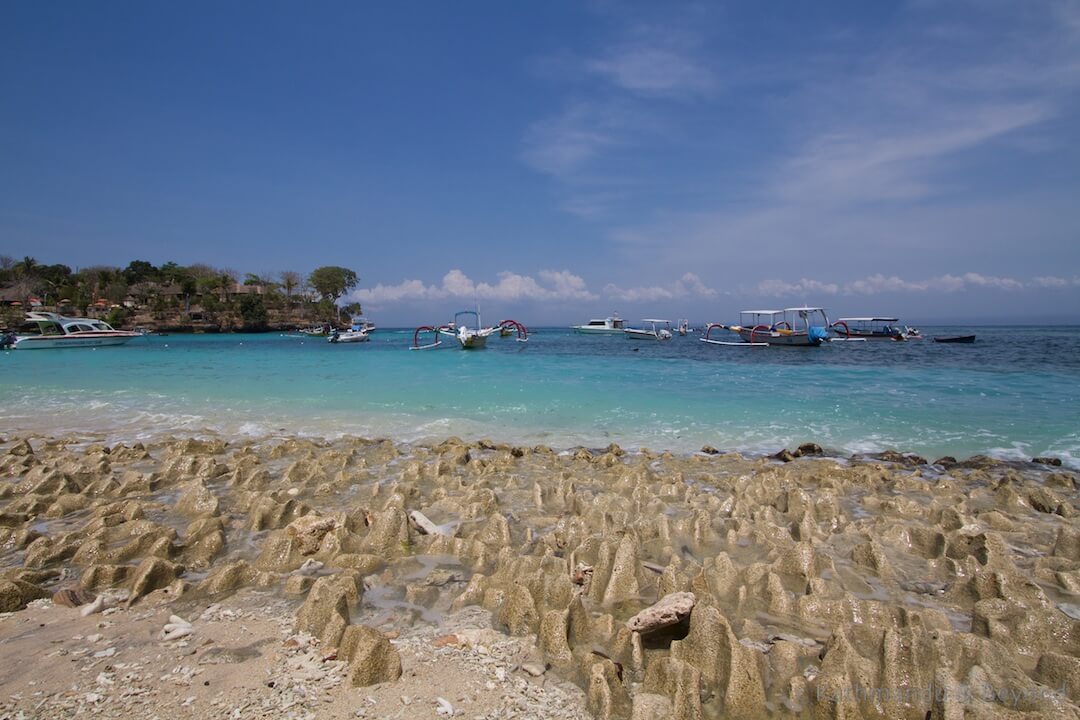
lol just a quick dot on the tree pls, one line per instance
(331, 281)
(139, 271)
(253, 312)
(290, 280)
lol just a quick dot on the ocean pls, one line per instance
(1014, 394)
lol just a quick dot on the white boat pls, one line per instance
(607, 326)
(348, 336)
(468, 337)
(43, 330)
(871, 328)
(789, 327)
(657, 330)
(362, 323)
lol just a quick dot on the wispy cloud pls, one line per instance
(653, 71)
(688, 286)
(878, 284)
(552, 285)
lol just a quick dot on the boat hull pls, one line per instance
(959, 339)
(348, 337)
(45, 342)
(841, 335)
(473, 342)
(644, 335)
(597, 330)
(795, 339)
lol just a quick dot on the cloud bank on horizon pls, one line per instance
(562, 159)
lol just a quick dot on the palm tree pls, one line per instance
(27, 267)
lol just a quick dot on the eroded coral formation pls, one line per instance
(703, 586)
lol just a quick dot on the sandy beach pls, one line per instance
(288, 577)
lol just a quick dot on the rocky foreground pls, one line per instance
(296, 578)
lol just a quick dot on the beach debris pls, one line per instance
(669, 610)
(443, 706)
(176, 628)
(106, 653)
(709, 450)
(98, 604)
(582, 574)
(309, 568)
(73, 597)
(422, 524)
(1052, 461)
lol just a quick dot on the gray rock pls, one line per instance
(670, 610)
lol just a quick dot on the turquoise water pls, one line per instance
(1013, 394)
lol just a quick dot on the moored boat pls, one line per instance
(868, 328)
(46, 330)
(607, 326)
(468, 337)
(794, 327)
(957, 339)
(657, 330)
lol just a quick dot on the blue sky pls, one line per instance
(557, 161)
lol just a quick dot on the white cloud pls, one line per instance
(562, 145)
(1051, 281)
(652, 71)
(689, 285)
(876, 284)
(553, 285)
(779, 288)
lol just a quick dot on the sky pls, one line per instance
(558, 161)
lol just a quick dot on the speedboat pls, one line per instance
(607, 326)
(798, 327)
(43, 330)
(355, 334)
(657, 330)
(469, 337)
(870, 328)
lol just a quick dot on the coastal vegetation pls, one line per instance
(173, 297)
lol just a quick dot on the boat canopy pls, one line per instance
(760, 312)
(654, 320)
(804, 309)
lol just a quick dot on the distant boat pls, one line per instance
(469, 338)
(658, 330)
(607, 326)
(966, 339)
(791, 326)
(868, 328)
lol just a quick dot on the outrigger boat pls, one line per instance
(789, 327)
(871, 328)
(468, 337)
(658, 330)
(682, 327)
(49, 330)
(608, 326)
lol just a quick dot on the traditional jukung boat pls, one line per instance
(469, 337)
(793, 327)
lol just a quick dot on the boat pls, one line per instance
(607, 326)
(791, 327)
(316, 330)
(658, 330)
(468, 337)
(965, 339)
(869, 328)
(355, 334)
(362, 323)
(46, 330)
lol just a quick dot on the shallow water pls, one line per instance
(1013, 394)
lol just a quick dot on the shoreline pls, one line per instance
(816, 587)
